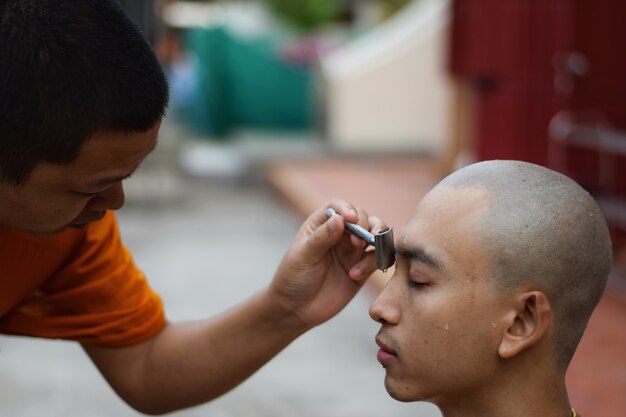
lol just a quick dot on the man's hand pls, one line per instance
(191, 363)
(325, 265)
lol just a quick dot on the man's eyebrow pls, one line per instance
(419, 254)
(103, 182)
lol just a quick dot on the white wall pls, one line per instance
(389, 91)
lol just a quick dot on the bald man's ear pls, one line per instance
(526, 325)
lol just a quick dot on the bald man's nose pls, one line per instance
(383, 310)
(112, 198)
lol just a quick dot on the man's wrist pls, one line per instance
(279, 313)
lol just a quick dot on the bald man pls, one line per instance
(497, 274)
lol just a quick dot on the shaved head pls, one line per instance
(540, 229)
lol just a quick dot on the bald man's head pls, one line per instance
(541, 228)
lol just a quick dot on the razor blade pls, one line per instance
(382, 242)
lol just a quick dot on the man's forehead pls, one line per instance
(442, 194)
(446, 223)
(112, 155)
(448, 205)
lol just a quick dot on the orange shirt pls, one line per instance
(80, 284)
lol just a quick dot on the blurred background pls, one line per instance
(278, 105)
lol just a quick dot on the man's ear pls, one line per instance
(526, 324)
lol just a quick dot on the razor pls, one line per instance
(382, 242)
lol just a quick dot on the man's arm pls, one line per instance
(191, 363)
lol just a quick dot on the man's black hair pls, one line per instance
(70, 69)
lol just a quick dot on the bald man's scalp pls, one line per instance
(542, 229)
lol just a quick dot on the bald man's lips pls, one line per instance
(385, 354)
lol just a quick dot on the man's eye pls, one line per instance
(417, 284)
(88, 195)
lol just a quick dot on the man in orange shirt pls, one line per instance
(497, 274)
(82, 97)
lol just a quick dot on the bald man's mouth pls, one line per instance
(385, 355)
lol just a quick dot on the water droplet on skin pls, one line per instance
(493, 325)
(446, 326)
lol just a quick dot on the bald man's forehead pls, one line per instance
(444, 234)
(446, 212)
(443, 201)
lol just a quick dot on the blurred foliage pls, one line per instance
(390, 7)
(309, 15)
(306, 15)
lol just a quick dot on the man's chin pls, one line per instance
(75, 224)
(82, 223)
(50, 232)
(45, 233)
(400, 393)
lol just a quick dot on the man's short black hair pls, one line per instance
(70, 69)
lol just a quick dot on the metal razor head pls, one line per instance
(382, 242)
(385, 249)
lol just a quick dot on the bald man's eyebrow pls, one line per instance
(419, 254)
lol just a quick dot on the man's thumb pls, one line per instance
(324, 238)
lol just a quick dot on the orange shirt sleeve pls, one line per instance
(96, 296)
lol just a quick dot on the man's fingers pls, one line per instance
(342, 207)
(326, 233)
(361, 271)
(367, 265)
(323, 238)
(347, 211)
(376, 224)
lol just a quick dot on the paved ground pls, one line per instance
(206, 245)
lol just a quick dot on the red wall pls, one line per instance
(515, 53)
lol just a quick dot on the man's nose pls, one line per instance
(112, 198)
(384, 308)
